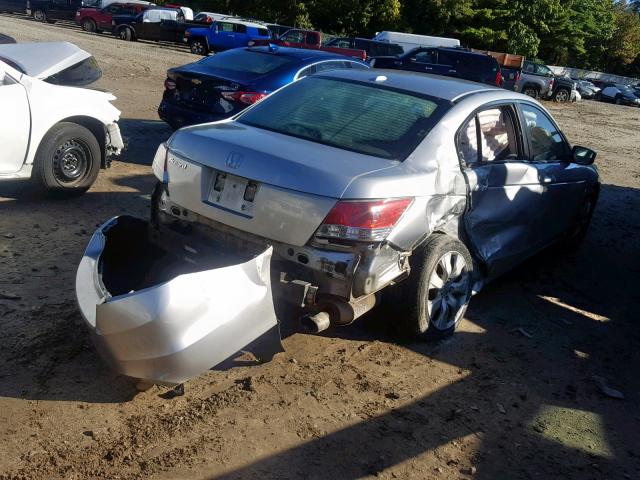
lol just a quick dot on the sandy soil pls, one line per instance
(358, 402)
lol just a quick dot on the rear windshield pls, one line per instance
(367, 119)
(240, 60)
(78, 75)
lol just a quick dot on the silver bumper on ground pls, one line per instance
(177, 329)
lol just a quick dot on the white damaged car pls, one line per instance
(52, 131)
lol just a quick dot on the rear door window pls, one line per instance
(448, 59)
(367, 119)
(239, 28)
(489, 136)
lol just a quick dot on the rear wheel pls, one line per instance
(125, 34)
(88, 25)
(198, 47)
(530, 91)
(562, 95)
(68, 160)
(40, 15)
(438, 291)
(618, 100)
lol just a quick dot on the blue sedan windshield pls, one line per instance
(241, 60)
(363, 118)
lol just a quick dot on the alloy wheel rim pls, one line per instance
(197, 47)
(448, 290)
(71, 161)
(530, 92)
(38, 15)
(562, 96)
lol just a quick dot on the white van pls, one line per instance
(409, 41)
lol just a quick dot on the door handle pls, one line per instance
(548, 179)
(453, 71)
(428, 68)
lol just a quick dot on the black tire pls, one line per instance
(125, 34)
(88, 25)
(531, 91)
(419, 314)
(199, 47)
(562, 95)
(67, 161)
(40, 15)
(618, 100)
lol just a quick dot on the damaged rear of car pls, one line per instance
(359, 185)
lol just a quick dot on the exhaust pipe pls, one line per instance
(316, 323)
(335, 311)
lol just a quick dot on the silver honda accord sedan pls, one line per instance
(356, 184)
(361, 181)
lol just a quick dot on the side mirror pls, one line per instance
(583, 155)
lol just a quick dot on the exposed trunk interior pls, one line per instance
(137, 256)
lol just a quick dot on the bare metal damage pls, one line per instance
(115, 143)
(176, 329)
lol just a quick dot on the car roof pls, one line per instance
(446, 88)
(303, 54)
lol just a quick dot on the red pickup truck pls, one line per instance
(94, 19)
(296, 38)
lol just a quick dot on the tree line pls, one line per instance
(592, 34)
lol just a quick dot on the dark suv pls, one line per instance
(52, 10)
(451, 62)
(372, 47)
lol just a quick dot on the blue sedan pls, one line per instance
(222, 85)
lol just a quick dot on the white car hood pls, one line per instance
(43, 59)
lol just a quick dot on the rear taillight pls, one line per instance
(363, 220)
(169, 84)
(551, 83)
(248, 98)
(499, 78)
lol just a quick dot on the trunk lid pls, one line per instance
(204, 91)
(273, 158)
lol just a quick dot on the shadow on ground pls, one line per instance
(530, 398)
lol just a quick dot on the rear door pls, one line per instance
(506, 208)
(224, 35)
(15, 122)
(447, 64)
(240, 35)
(564, 183)
(423, 60)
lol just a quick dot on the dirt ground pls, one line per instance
(511, 396)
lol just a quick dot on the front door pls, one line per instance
(15, 123)
(563, 181)
(506, 201)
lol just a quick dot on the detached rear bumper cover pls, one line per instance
(178, 329)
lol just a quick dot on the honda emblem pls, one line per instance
(234, 160)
